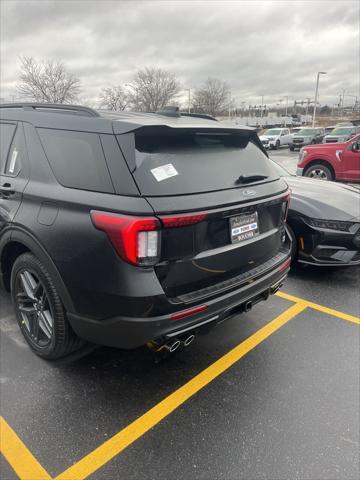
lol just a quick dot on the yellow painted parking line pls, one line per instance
(320, 308)
(19, 456)
(112, 447)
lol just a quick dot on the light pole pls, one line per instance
(316, 96)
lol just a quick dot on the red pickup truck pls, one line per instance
(331, 161)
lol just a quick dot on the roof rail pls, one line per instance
(53, 106)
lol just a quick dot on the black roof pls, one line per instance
(77, 117)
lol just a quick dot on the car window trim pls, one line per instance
(6, 122)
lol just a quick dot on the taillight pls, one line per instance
(136, 239)
(285, 206)
(284, 265)
(182, 220)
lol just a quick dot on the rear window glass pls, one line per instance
(187, 161)
(77, 159)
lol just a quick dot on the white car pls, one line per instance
(275, 138)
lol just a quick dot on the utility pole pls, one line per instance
(262, 104)
(342, 98)
(189, 100)
(316, 96)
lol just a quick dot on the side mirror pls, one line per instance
(355, 147)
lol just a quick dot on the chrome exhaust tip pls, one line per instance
(188, 340)
(172, 346)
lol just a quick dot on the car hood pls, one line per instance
(325, 200)
(326, 146)
(268, 137)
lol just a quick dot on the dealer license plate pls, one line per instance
(244, 227)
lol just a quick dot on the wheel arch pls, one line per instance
(321, 161)
(19, 242)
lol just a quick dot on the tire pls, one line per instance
(277, 145)
(39, 311)
(313, 142)
(292, 149)
(320, 172)
(294, 244)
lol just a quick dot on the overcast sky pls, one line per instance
(270, 48)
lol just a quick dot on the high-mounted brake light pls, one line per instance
(183, 220)
(136, 239)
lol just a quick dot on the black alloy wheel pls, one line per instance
(39, 311)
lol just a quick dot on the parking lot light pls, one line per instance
(316, 95)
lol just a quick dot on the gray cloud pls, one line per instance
(270, 48)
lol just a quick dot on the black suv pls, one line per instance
(125, 229)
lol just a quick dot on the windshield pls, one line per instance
(185, 161)
(342, 131)
(307, 132)
(272, 132)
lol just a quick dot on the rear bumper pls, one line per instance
(132, 332)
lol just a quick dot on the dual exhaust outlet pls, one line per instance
(172, 345)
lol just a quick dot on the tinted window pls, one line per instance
(15, 157)
(173, 162)
(77, 159)
(6, 134)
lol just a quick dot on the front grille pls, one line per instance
(298, 140)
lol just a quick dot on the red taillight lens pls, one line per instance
(136, 239)
(286, 205)
(182, 220)
(189, 311)
(285, 265)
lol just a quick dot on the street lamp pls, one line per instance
(316, 96)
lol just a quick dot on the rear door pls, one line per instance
(14, 169)
(220, 201)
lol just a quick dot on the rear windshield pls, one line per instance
(175, 162)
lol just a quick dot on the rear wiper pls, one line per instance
(250, 178)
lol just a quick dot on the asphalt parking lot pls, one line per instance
(273, 393)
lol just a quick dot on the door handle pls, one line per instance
(6, 189)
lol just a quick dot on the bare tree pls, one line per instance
(152, 89)
(212, 98)
(114, 98)
(47, 81)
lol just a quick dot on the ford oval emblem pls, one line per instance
(249, 193)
